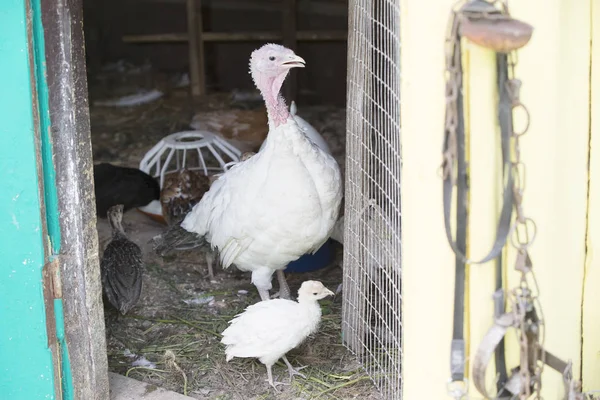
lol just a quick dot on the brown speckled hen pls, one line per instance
(121, 266)
(181, 191)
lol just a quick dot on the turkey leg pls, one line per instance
(292, 370)
(284, 289)
(210, 259)
(270, 379)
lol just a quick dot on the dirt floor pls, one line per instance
(171, 338)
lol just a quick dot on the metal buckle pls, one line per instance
(457, 389)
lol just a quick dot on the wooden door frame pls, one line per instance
(68, 109)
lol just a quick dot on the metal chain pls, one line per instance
(453, 81)
(526, 303)
(525, 297)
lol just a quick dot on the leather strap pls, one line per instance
(504, 224)
(457, 351)
(506, 129)
(489, 344)
(487, 347)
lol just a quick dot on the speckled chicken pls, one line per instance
(269, 329)
(121, 266)
(181, 191)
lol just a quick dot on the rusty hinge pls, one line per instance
(52, 290)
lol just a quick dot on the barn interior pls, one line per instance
(158, 67)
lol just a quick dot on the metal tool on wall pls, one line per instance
(489, 24)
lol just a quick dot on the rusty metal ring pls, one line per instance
(527, 119)
(515, 237)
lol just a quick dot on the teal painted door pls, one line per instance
(27, 369)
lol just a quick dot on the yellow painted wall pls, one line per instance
(427, 276)
(555, 70)
(591, 300)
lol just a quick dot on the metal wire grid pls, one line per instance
(372, 327)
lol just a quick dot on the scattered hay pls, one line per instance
(183, 342)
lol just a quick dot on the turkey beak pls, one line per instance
(329, 292)
(294, 61)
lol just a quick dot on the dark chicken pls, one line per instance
(121, 185)
(121, 266)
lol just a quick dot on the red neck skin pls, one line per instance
(270, 87)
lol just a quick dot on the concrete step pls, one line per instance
(123, 388)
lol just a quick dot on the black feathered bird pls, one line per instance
(122, 185)
(121, 266)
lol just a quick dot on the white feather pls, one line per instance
(273, 208)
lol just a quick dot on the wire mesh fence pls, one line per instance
(372, 327)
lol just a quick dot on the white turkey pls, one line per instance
(267, 330)
(279, 204)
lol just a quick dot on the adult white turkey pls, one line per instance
(279, 204)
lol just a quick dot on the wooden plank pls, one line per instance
(156, 38)
(201, 57)
(591, 295)
(192, 39)
(308, 36)
(329, 8)
(289, 41)
(427, 260)
(72, 151)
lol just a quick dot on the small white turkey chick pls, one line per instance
(269, 329)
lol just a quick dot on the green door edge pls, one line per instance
(25, 357)
(50, 191)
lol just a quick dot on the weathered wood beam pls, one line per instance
(290, 41)
(192, 34)
(301, 36)
(72, 153)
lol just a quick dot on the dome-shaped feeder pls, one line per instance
(191, 150)
(183, 150)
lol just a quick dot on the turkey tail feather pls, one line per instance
(177, 238)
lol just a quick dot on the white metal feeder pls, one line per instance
(172, 154)
(178, 145)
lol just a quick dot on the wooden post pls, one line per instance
(289, 41)
(72, 157)
(192, 32)
(201, 62)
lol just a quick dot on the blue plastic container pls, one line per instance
(312, 262)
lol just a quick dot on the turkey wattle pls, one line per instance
(279, 204)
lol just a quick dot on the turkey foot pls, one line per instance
(293, 371)
(270, 379)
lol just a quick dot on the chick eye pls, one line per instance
(314, 294)
(272, 58)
